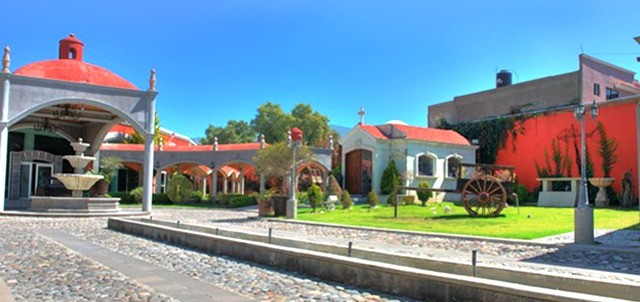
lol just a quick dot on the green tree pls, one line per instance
(236, 132)
(138, 138)
(390, 178)
(314, 193)
(424, 195)
(276, 160)
(180, 188)
(272, 122)
(315, 126)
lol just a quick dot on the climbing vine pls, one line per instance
(491, 134)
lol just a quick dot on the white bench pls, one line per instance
(565, 198)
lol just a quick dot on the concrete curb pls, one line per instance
(72, 215)
(401, 280)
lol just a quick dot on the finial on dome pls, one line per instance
(6, 60)
(152, 80)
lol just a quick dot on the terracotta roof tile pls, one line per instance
(420, 133)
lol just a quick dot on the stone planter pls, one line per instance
(265, 208)
(409, 199)
(100, 188)
(602, 200)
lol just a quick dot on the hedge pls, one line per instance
(241, 201)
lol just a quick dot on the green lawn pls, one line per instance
(531, 223)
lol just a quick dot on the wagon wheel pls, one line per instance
(484, 195)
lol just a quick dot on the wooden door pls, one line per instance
(353, 174)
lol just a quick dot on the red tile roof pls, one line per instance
(184, 148)
(420, 134)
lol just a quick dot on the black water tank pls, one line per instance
(503, 78)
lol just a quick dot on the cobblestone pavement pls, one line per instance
(37, 269)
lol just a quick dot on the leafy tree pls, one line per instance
(390, 178)
(138, 138)
(272, 122)
(109, 166)
(236, 132)
(276, 160)
(180, 188)
(314, 125)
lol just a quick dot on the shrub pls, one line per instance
(333, 188)
(241, 201)
(424, 195)
(345, 199)
(372, 199)
(302, 197)
(225, 199)
(137, 194)
(523, 193)
(315, 196)
(390, 178)
(393, 198)
(180, 189)
(198, 196)
(125, 197)
(160, 198)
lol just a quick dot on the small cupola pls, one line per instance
(71, 48)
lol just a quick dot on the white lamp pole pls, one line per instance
(583, 214)
(292, 203)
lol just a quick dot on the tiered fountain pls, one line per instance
(77, 182)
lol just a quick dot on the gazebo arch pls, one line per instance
(33, 93)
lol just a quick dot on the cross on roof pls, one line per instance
(361, 114)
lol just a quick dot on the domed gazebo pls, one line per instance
(45, 105)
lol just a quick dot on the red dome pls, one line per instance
(74, 71)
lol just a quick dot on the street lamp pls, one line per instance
(294, 141)
(583, 213)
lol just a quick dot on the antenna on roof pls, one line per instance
(581, 50)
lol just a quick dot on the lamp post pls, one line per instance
(295, 139)
(583, 213)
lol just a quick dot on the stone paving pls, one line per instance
(37, 269)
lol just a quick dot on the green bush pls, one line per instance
(372, 199)
(523, 193)
(160, 198)
(180, 189)
(424, 195)
(302, 197)
(333, 188)
(241, 201)
(137, 194)
(315, 196)
(225, 199)
(125, 197)
(390, 178)
(393, 198)
(345, 199)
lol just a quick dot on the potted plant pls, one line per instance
(265, 206)
(109, 166)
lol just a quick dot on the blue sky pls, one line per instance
(219, 60)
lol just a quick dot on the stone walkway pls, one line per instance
(36, 268)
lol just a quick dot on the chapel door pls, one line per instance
(353, 181)
(358, 171)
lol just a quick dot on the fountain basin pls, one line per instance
(602, 183)
(78, 182)
(79, 161)
(74, 204)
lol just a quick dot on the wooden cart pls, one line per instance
(485, 188)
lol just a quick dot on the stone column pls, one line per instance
(225, 184)
(214, 185)
(4, 140)
(147, 181)
(158, 187)
(204, 185)
(241, 184)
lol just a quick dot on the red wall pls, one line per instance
(619, 122)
